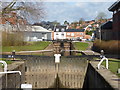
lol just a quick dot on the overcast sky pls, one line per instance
(73, 11)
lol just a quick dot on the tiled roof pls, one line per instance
(75, 30)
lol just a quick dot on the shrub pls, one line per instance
(12, 39)
(110, 47)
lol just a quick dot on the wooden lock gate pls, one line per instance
(41, 72)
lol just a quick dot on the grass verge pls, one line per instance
(80, 46)
(31, 46)
(114, 64)
(7, 61)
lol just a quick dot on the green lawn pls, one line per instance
(7, 61)
(30, 47)
(81, 45)
(114, 64)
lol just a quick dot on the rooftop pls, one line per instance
(115, 6)
(75, 30)
(107, 25)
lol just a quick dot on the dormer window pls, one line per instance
(57, 30)
(62, 29)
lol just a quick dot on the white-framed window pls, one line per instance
(72, 34)
(57, 29)
(56, 33)
(62, 29)
(68, 33)
(81, 33)
(115, 12)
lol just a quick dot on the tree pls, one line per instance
(74, 25)
(55, 23)
(101, 16)
(66, 23)
(89, 33)
(81, 20)
(28, 10)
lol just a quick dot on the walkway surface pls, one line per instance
(111, 78)
(88, 51)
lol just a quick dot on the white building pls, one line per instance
(37, 33)
(59, 32)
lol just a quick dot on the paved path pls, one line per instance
(49, 47)
(88, 51)
(111, 78)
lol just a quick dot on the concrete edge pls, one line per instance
(111, 78)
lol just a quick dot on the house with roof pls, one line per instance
(110, 30)
(59, 32)
(74, 34)
(115, 8)
(106, 31)
(37, 33)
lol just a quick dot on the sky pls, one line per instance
(73, 11)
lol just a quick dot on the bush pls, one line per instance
(12, 39)
(110, 47)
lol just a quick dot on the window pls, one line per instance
(56, 33)
(72, 34)
(62, 34)
(68, 33)
(62, 29)
(115, 12)
(81, 33)
(57, 29)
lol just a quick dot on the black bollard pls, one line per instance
(13, 54)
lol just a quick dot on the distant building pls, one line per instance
(59, 32)
(115, 8)
(37, 33)
(106, 31)
(75, 34)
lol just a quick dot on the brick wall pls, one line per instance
(76, 35)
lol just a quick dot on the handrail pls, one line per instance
(5, 69)
(104, 58)
(5, 65)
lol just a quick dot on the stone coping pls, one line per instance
(13, 66)
(111, 78)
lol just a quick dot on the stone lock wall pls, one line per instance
(56, 46)
(93, 79)
(13, 80)
(65, 46)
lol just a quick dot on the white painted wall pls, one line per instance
(59, 35)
